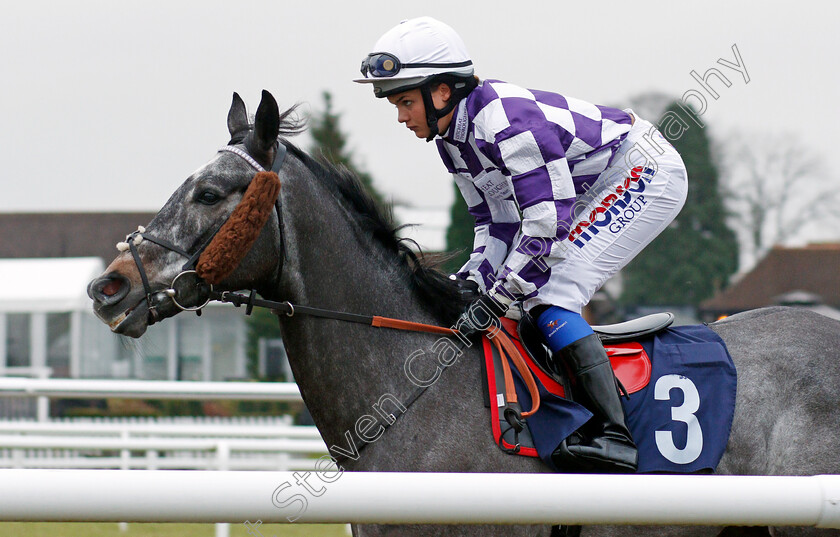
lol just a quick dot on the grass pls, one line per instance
(110, 529)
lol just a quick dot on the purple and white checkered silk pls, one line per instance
(515, 150)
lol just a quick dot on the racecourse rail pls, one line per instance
(148, 389)
(393, 498)
(45, 389)
(403, 498)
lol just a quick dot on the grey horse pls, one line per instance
(328, 246)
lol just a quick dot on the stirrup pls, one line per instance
(568, 461)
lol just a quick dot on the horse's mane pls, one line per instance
(435, 290)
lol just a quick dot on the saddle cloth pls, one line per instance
(681, 385)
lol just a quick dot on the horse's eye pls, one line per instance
(208, 197)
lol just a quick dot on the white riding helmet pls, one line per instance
(412, 52)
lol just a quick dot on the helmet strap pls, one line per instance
(433, 114)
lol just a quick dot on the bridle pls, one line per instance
(132, 240)
(502, 342)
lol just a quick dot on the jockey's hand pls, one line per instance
(467, 289)
(481, 314)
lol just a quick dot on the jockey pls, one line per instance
(564, 194)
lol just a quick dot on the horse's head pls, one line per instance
(137, 290)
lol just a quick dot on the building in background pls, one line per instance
(47, 326)
(802, 277)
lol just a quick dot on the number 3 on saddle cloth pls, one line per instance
(681, 385)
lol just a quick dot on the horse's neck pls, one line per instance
(344, 369)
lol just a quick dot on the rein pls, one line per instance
(500, 340)
(507, 350)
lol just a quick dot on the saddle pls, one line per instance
(630, 362)
(679, 425)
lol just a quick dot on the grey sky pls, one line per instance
(110, 105)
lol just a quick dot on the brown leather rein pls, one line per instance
(507, 350)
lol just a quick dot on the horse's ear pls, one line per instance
(237, 119)
(267, 122)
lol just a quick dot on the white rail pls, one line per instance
(27, 451)
(231, 427)
(44, 389)
(262, 451)
(149, 389)
(163, 444)
(154, 461)
(397, 498)
(180, 443)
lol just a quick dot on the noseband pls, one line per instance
(153, 299)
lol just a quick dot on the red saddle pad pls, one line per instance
(629, 361)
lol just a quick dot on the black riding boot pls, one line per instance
(607, 445)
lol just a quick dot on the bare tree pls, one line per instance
(777, 192)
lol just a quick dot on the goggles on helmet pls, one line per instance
(383, 65)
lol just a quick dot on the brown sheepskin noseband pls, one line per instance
(236, 236)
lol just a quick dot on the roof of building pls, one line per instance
(30, 235)
(56, 285)
(814, 269)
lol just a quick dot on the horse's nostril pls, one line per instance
(111, 288)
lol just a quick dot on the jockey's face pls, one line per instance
(412, 112)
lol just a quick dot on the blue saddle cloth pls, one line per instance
(680, 421)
